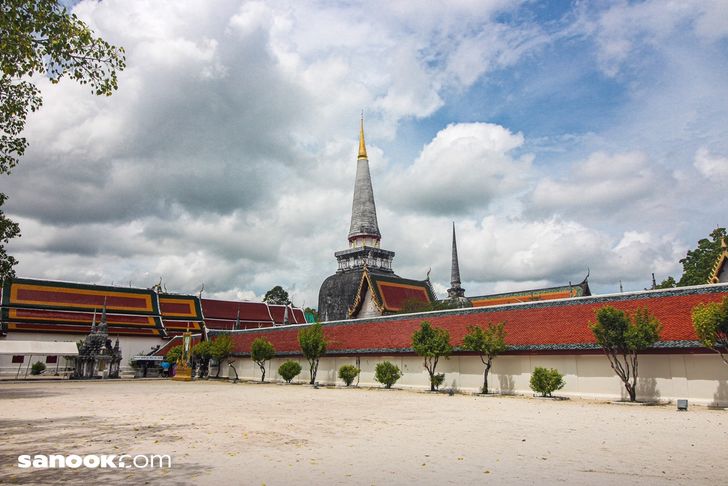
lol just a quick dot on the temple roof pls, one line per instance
(547, 293)
(363, 210)
(532, 327)
(390, 293)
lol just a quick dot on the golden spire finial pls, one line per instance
(362, 147)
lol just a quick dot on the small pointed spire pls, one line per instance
(654, 282)
(362, 146)
(620, 287)
(455, 291)
(93, 323)
(103, 328)
(237, 320)
(285, 317)
(455, 268)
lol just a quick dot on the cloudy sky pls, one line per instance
(558, 136)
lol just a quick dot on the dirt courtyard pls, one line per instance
(223, 433)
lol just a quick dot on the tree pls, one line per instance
(668, 283)
(8, 230)
(546, 381)
(277, 295)
(261, 351)
(202, 352)
(488, 343)
(710, 321)
(174, 354)
(698, 263)
(313, 345)
(387, 373)
(622, 337)
(347, 373)
(41, 38)
(220, 349)
(432, 343)
(289, 370)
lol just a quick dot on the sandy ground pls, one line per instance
(222, 433)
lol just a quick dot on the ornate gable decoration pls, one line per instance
(715, 275)
(359, 299)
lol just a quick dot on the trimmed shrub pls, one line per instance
(387, 373)
(37, 368)
(546, 381)
(348, 373)
(437, 380)
(289, 370)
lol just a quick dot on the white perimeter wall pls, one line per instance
(130, 346)
(701, 378)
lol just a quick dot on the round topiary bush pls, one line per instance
(546, 381)
(37, 368)
(289, 370)
(387, 373)
(348, 373)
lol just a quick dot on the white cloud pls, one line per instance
(711, 166)
(465, 166)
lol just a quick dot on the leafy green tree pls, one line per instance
(668, 283)
(488, 343)
(174, 354)
(220, 349)
(41, 38)
(313, 345)
(432, 343)
(347, 373)
(277, 295)
(289, 370)
(261, 351)
(202, 353)
(622, 337)
(699, 262)
(710, 321)
(546, 381)
(387, 373)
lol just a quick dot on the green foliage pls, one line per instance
(710, 321)
(546, 381)
(37, 368)
(488, 343)
(261, 351)
(668, 283)
(431, 343)
(40, 38)
(220, 349)
(202, 350)
(313, 345)
(289, 370)
(438, 380)
(387, 373)
(174, 354)
(622, 337)
(8, 230)
(277, 295)
(698, 263)
(348, 373)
